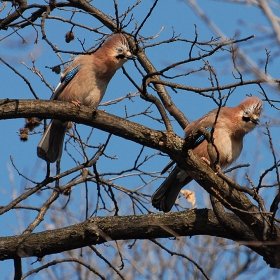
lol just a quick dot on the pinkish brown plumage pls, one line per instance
(85, 83)
(231, 125)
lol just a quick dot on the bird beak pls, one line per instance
(255, 121)
(131, 56)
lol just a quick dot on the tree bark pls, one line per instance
(99, 230)
(103, 229)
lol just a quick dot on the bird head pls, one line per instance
(251, 109)
(118, 50)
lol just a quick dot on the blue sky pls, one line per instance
(232, 20)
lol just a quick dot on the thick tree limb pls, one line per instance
(104, 229)
(101, 229)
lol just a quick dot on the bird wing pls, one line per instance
(65, 80)
(200, 138)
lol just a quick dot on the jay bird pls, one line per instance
(84, 82)
(228, 125)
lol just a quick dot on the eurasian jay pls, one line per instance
(84, 83)
(229, 125)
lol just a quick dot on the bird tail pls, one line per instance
(164, 197)
(51, 144)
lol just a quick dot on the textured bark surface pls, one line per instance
(102, 229)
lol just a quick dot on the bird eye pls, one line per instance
(119, 49)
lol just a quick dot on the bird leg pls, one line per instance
(76, 103)
(205, 160)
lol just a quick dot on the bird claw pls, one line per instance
(76, 103)
(205, 160)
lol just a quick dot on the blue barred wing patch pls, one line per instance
(71, 74)
(201, 138)
(64, 81)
